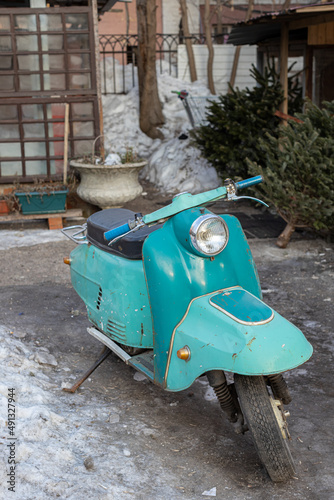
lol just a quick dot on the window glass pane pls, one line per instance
(10, 149)
(9, 131)
(56, 166)
(82, 147)
(7, 83)
(76, 21)
(82, 110)
(55, 111)
(82, 129)
(11, 168)
(50, 22)
(28, 63)
(5, 44)
(4, 23)
(36, 167)
(25, 22)
(79, 81)
(32, 111)
(27, 43)
(56, 129)
(79, 61)
(33, 130)
(29, 82)
(52, 42)
(56, 148)
(77, 42)
(8, 112)
(54, 82)
(55, 61)
(34, 149)
(6, 62)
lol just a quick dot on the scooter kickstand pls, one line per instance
(103, 355)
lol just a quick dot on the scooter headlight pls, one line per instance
(209, 234)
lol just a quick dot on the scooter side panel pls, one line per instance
(218, 342)
(175, 276)
(115, 294)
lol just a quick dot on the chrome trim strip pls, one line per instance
(253, 323)
(109, 343)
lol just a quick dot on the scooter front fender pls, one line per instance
(246, 337)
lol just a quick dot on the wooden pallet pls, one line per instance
(55, 221)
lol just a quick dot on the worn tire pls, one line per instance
(258, 412)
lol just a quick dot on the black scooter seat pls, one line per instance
(130, 246)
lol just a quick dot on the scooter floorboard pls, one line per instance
(142, 362)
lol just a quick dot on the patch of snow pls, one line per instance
(44, 358)
(210, 493)
(311, 324)
(112, 159)
(29, 237)
(173, 165)
(59, 449)
(139, 377)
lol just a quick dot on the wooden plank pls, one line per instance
(73, 212)
(321, 34)
(312, 21)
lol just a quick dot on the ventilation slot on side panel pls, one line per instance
(99, 298)
(116, 330)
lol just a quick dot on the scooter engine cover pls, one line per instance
(130, 246)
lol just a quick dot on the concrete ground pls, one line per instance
(180, 443)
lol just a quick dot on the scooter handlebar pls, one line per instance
(249, 182)
(117, 231)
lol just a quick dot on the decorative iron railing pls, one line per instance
(119, 59)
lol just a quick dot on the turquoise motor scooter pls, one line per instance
(176, 295)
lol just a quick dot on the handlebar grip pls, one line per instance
(117, 231)
(249, 182)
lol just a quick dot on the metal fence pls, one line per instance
(119, 59)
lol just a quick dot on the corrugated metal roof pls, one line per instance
(267, 26)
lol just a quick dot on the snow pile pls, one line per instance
(173, 164)
(64, 447)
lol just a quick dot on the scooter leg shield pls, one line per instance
(234, 331)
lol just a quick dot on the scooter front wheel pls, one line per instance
(267, 425)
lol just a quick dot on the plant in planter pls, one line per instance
(7, 203)
(42, 197)
(109, 182)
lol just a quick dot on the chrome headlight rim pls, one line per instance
(194, 230)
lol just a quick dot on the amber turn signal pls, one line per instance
(184, 353)
(67, 260)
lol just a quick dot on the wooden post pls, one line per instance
(186, 33)
(234, 67)
(238, 48)
(309, 72)
(207, 26)
(66, 130)
(284, 53)
(93, 5)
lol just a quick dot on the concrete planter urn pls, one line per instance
(108, 186)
